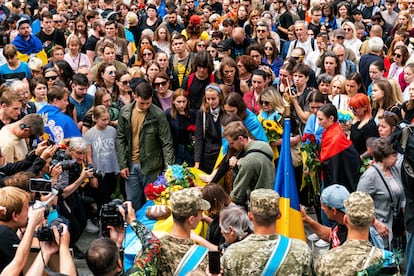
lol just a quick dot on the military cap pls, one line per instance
(187, 201)
(359, 207)
(264, 202)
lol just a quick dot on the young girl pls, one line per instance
(38, 89)
(102, 154)
(376, 72)
(208, 129)
(181, 118)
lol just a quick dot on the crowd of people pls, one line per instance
(99, 97)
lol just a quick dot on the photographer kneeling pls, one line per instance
(103, 256)
(70, 203)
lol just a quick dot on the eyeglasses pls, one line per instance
(160, 83)
(57, 21)
(147, 54)
(111, 73)
(396, 55)
(51, 78)
(264, 103)
(269, 48)
(261, 31)
(125, 82)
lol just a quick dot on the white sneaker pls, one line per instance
(313, 237)
(321, 243)
(91, 228)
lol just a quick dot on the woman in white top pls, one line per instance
(74, 57)
(162, 39)
(351, 41)
(399, 58)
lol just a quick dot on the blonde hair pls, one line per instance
(342, 81)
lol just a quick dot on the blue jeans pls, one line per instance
(135, 184)
(409, 257)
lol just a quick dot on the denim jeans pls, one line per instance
(409, 257)
(135, 184)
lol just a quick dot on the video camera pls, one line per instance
(110, 216)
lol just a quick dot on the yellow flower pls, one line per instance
(273, 126)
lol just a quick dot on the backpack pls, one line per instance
(403, 141)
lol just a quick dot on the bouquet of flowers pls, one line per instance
(345, 117)
(311, 166)
(273, 130)
(175, 178)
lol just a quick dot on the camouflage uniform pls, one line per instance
(350, 257)
(172, 251)
(347, 259)
(184, 202)
(249, 256)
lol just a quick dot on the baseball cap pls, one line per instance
(12, 18)
(334, 195)
(264, 202)
(339, 33)
(187, 201)
(359, 207)
(223, 46)
(195, 19)
(22, 21)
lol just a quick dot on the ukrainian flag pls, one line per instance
(290, 224)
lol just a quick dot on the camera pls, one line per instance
(96, 173)
(45, 232)
(40, 185)
(60, 157)
(110, 216)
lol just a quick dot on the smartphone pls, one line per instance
(214, 262)
(40, 185)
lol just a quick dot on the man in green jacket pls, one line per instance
(144, 144)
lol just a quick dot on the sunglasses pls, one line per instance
(111, 73)
(125, 82)
(396, 55)
(354, 108)
(261, 31)
(147, 54)
(201, 45)
(297, 58)
(160, 83)
(347, 29)
(268, 48)
(57, 21)
(264, 103)
(51, 78)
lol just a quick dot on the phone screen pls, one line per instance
(214, 262)
(40, 185)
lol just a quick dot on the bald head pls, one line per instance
(238, 35)
(376, 30)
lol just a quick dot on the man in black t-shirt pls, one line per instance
(98, 27)
(49, 35)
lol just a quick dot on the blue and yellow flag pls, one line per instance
(290, 223)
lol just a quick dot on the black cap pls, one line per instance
(223, 46)
(13, 18)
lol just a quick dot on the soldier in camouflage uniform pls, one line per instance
(357, 253)
(249, 256)
(186, 206)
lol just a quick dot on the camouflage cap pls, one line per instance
(187, 201)
(264, 202)
(359, 207)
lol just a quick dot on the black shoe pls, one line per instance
(77, 253)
